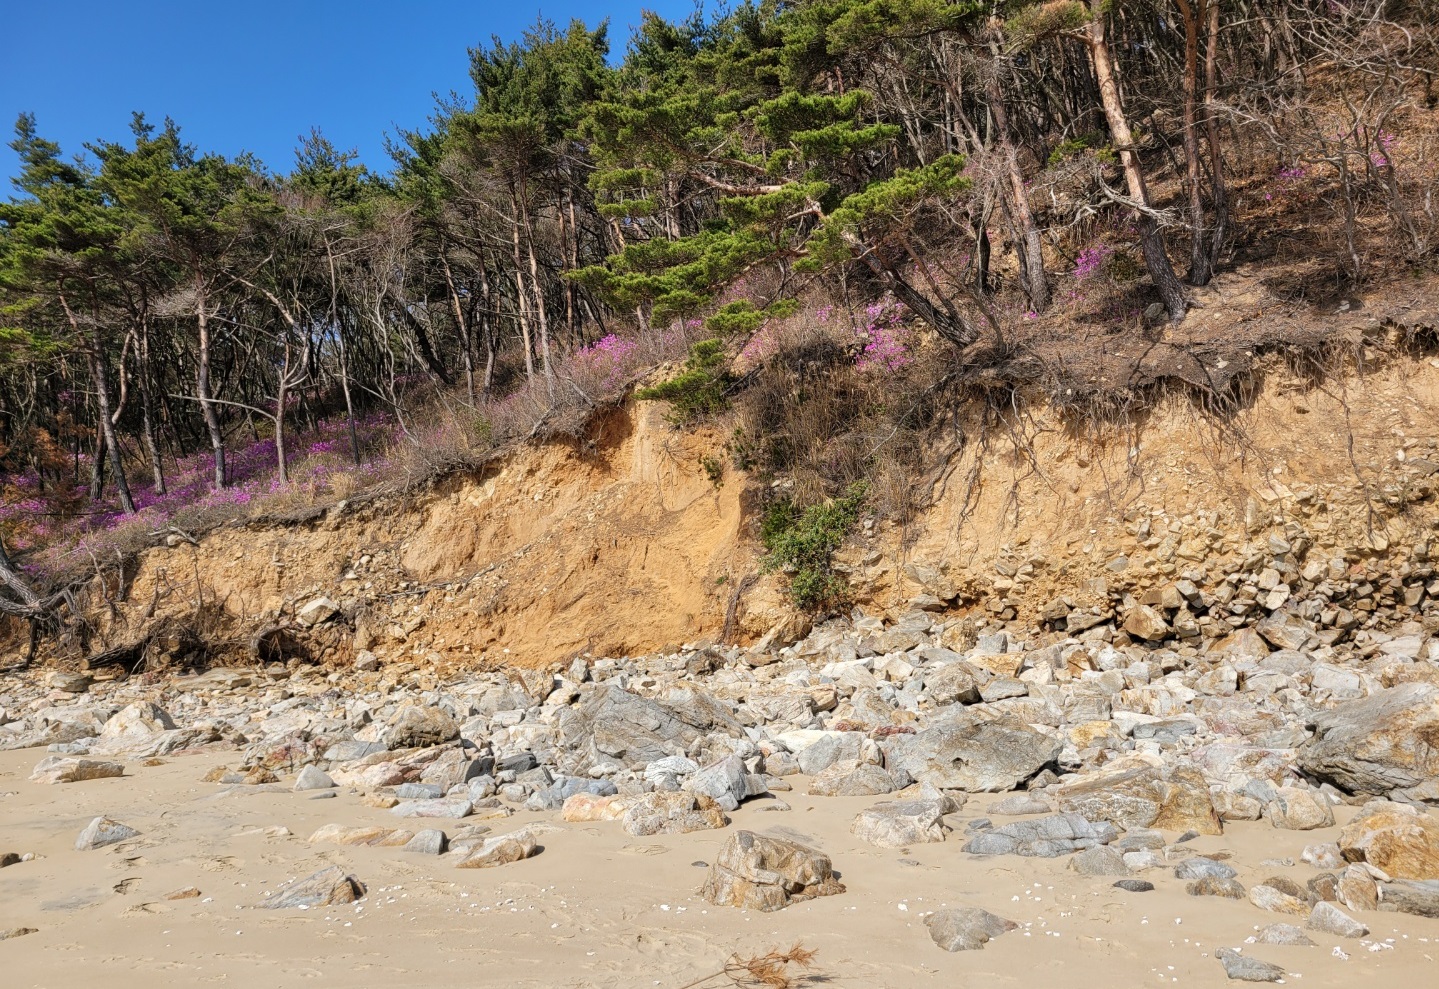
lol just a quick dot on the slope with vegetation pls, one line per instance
(826, 227)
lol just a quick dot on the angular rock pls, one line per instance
(417, 727)
(760, 872)
(137, 729)
(672, 813)
(588, 807)
(1284, 934)
(1329, 919)
(848, 778)
(1142, 797)
(62, 769)
(1420, 898)
(328, 887)
(500, 850)
(1298, 809)
(1398, 839)
(1267, 897)
(1386, 741)
(103, 831)
(427, 842)
(1044, 837)
(320, 610)
(966, 928)
(1100, 860)
(1322, 856)
(1242, 968)
(978, 756)
(313, 778)
(723, 782)
(613, 727)
(1021, 805)
(1144, 622)
(1285, 630)
(450, 808)
(1357, 889)
(1200, 867)
(952, 683)
(375, 837)
(898, 823)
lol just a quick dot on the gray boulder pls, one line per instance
(760, 872)
(977, 756)
(418, 727)
(103, 831)
(1044, 837)
(1242, 968)
(723, 782)
(325, 888)
(1379, 743)
(613, 727)
(898, 823)
(848, 778)
(1417, 896)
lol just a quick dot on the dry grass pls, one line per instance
(774, 969)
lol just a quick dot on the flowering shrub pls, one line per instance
(1091, 261)
(885, 341)
(606, 362)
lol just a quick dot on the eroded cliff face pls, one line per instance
(1323, 484)
(612, 544)
(619, 543)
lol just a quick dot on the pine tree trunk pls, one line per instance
(202, 386)
(1030, 247)
(1156, 258)
(107, 428)
(147, 409)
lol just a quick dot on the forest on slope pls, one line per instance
(891, 191)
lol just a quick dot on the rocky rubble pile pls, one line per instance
(1121, 731)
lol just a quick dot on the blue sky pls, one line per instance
(255, 76)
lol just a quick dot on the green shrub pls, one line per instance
(699, 389)
(802, 544)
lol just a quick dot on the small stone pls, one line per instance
(1135, 885)
(313, 778)
(1329, 919)
(321, 609)
(1242, 968)
(966, 928)
(103, 831)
